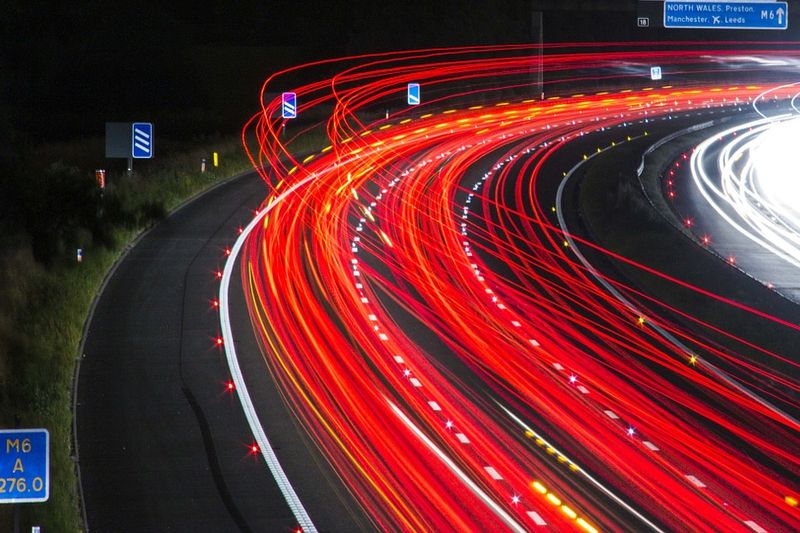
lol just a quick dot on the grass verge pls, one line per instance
(44, 302)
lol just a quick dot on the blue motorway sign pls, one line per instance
(726, 15)
(142, 140)
(24, 465)
(413, 94)
(289, 105)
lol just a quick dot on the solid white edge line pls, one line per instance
(499, 511)
(300, 513)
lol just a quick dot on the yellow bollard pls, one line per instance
(216, 159)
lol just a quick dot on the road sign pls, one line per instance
(655, 73)
(24, 465)
(643, 22)
(413, 94)
(726, 15)
(142, 140)
(289, 105)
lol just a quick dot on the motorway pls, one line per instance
(163, 443)
(386, 200)
(407, 327)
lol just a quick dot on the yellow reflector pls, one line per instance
(569, 512)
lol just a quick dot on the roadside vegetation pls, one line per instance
(45, 293)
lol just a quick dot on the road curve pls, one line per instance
(162, 445)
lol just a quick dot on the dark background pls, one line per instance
(196, 68)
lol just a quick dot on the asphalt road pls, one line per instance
(163, 445)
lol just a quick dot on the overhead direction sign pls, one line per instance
(142, 140)
(289, 105)
(413, 94)
(726, 15)
(24, 465)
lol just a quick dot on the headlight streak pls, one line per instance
(748, 189)
(383, 215)
(738, 199)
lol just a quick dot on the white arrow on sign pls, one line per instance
(780, 15)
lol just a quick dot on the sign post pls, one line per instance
(24, 465)
(726, 15)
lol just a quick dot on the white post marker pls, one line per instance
(655, 73)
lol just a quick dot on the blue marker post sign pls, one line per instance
(726, 15)
(289, 105)
(413, 94)
(142, 140)
(24, 465)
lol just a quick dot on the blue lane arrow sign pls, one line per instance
(289, 105)
(413, 94)
(142, 140)
(726, 15)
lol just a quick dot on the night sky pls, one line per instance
(196, 67)
(75, 65)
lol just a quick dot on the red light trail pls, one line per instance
(440, 225)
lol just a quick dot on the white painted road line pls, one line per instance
(755, 527)
(497, 509)
(538, 520)
(650, 445)
(462, 438)
(492, 472)
(696, 482)
(299, 512)
(611, 414)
